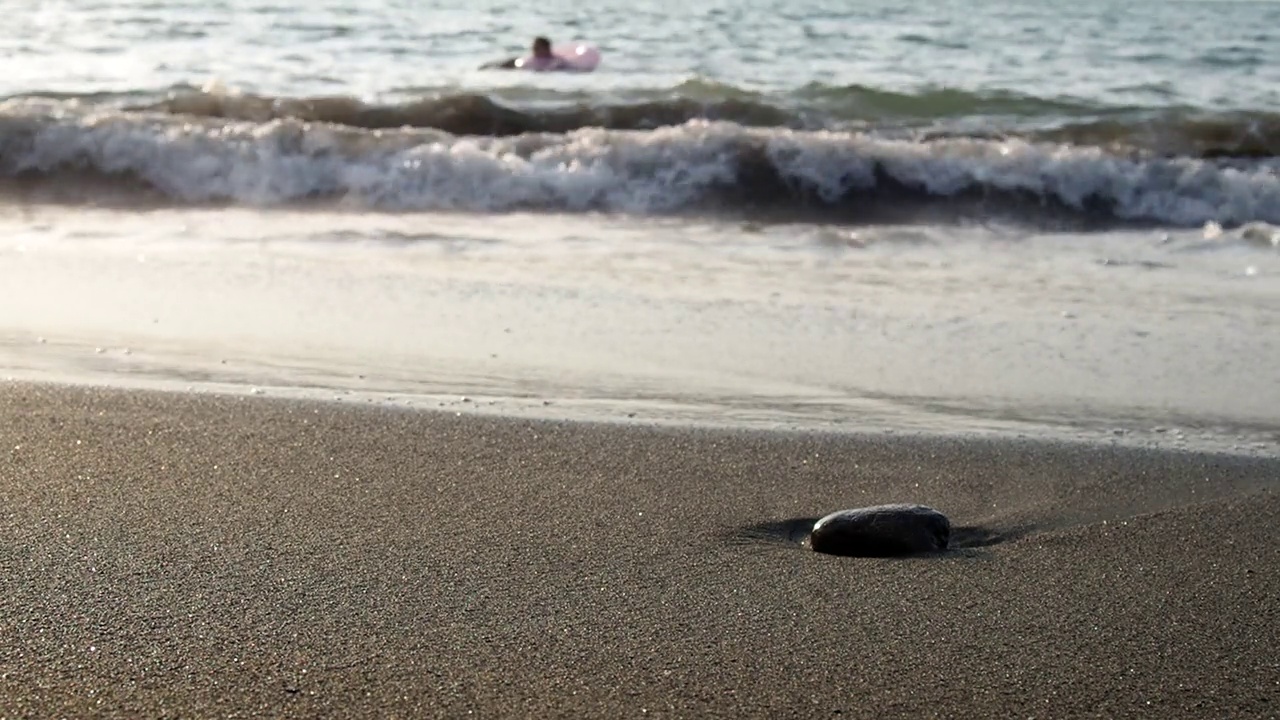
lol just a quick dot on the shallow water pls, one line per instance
(986, 217)
(1170, 340)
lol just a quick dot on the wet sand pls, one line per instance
(186, 555)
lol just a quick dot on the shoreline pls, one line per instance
(1196, 435)
(197, 554)
(720, 325)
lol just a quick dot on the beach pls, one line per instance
(343, 375)
(185, 554)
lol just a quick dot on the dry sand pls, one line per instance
(169, 555)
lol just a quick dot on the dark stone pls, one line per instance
(881, 531)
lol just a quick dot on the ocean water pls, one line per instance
(966, 215)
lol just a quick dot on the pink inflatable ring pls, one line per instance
(564, 58)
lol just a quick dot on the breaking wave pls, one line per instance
(685, 166)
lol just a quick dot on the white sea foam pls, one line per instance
(678, 168)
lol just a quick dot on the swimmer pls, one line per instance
(542, 59)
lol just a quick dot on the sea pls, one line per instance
(979, 216)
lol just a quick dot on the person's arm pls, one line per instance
(500, 65)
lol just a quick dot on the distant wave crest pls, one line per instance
(926, 113)
(519, 110)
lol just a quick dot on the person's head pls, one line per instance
(541, 47)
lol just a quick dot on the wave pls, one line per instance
(474, 113)
(515, 111)
(1201, 135)
(694, 167)
(511, 111)
(934, 103)
(927, 113)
